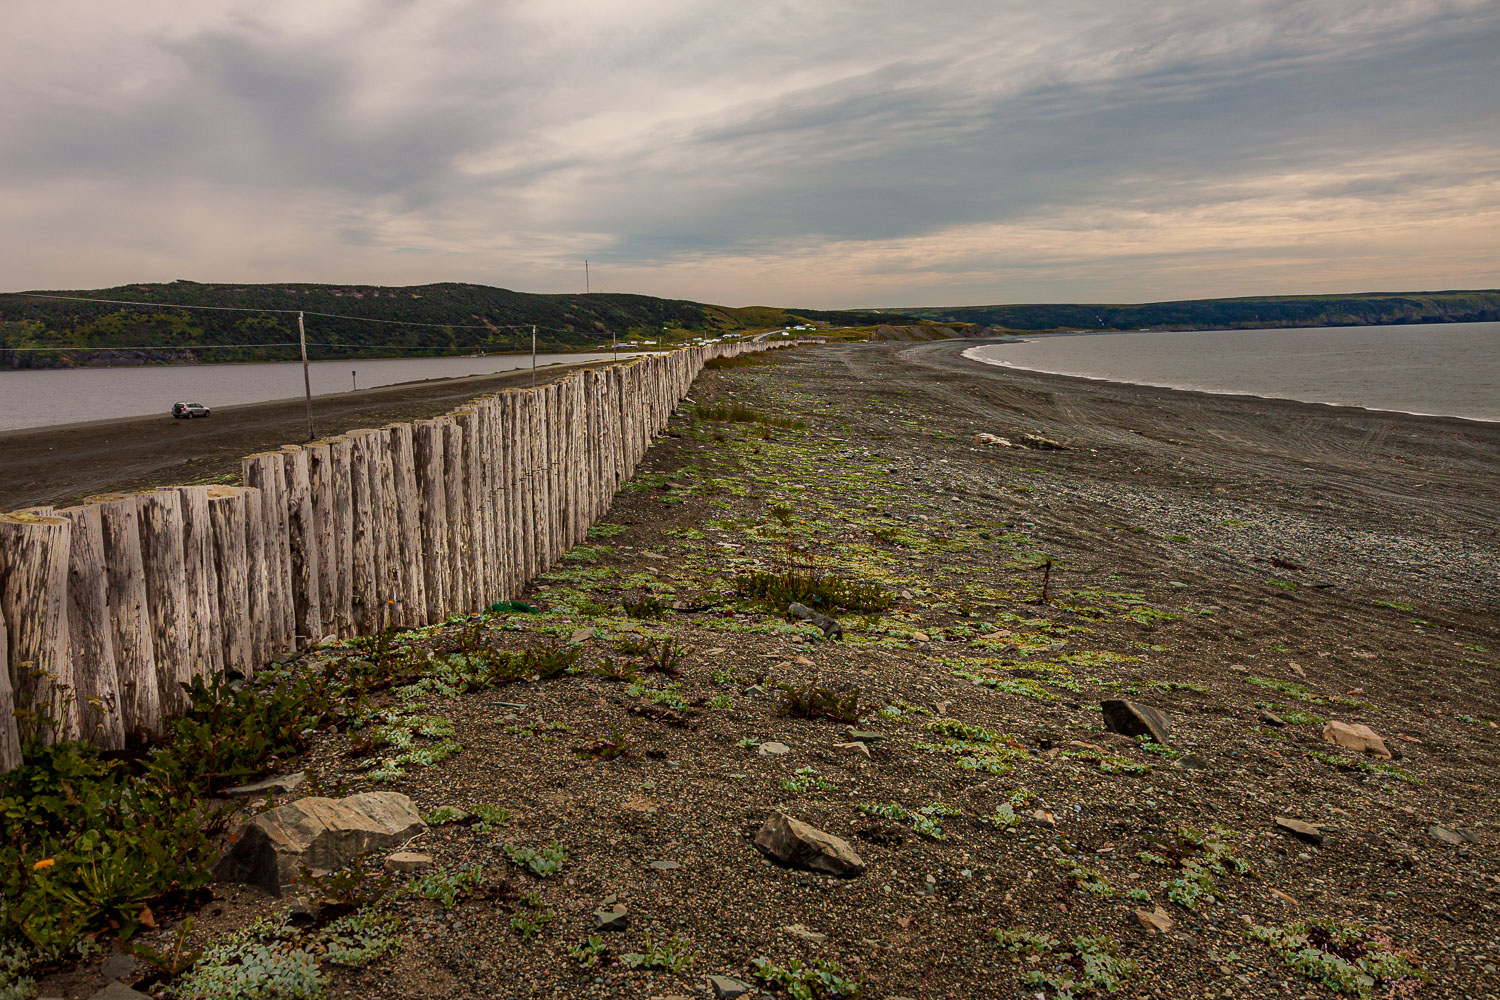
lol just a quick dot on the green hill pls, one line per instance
(417, 321)
(1370, 309)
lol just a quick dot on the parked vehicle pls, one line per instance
(189, 410)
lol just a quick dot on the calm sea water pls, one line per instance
(65, 396)
(1447, 369)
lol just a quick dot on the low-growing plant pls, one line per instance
(925, 821)
(445, 886)
(746, 415)
(669, 955)
(612, 671)
(589, 952)
(528, 922)
(443, 816)
(646, 607)
(819, 591)
(809, 981)
(1077, 968)
(1345, 957)
(363, 882)
(804, 780)
(617, 742)
(812, 700)
(541, 862)
(491, 818)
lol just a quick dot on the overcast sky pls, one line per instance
(816, 153)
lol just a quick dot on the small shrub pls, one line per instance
(646, 607)
(813, 701)
(819, 591)
(615, 743)
(746, 415)
(1347, 958)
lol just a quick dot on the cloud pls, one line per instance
(827, 154)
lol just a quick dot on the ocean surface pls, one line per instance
(71, 395)
(1441, 369)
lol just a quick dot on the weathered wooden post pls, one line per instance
(257, 579)
(460, 526)
(427, 454)
(90, 634)
(34, 603)
(366, 604)
(228, 512)
(413, 596)
(200, 582)
(10, 736)
(324, 496)
(265, 472)
(166, 597)
(129, 619)
(341, 451)
(303, 544)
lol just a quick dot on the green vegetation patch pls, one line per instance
(1344, 957)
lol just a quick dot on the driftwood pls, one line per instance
(460, 527)
(320, 479)
(341, 451)
(90, 634)
(366, 601)
(129, 617)
(256, 578)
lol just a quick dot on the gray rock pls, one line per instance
(119, 965)
(805, 933)
(725, 988)
(863, 735)
(1192, 762)
(1449, 836)
(831, 628)
(615, 917)
(665, 866)
(281, 784)
(1302, 831)
(118, 991)
(408, 861)
(793, 843)
(318, 833)
(773, 749)
(1131, 718)
(1271, 718)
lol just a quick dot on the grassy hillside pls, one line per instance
(1255, 312)
(94, 333)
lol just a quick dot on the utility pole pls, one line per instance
(585, 276)
(306, 378)
(354, 377)
(533, 355)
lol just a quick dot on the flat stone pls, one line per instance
(1353, 736)
(1300, 830)
(795, 844)
(1155, 921)
(408, 861)
(581, 635)
(864, 735)
(1449, 836)
(1131, 718)
(317, 833)
(773, 749)
(725, 988)
(665, 866)
(615, 917)
(805, 933)
(1271, 718)
(1192, 762)
(281, 784)
(118, 991)
(830, 627)
(119, 965)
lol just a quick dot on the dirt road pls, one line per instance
(59, 465)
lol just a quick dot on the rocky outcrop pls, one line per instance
(793, 843)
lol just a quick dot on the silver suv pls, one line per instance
(189, 410)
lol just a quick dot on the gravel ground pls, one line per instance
(1219, 559)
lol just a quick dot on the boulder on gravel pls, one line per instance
(727, 988)
(1353, 736)
(317, 833)
(1131, 718)
(1302, 831)
(795, 844)
(831, 628)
